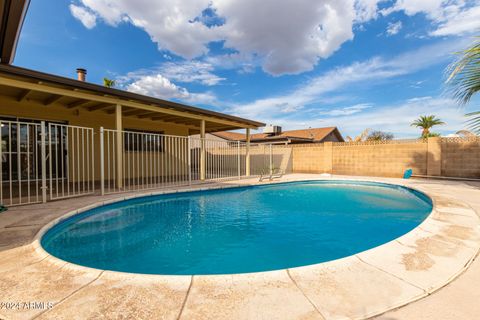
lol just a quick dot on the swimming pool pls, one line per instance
(238, 230)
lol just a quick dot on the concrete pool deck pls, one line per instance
(424, 263)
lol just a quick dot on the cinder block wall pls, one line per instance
(308, 158)
(460, 157)
(451, 157)
(379, 158)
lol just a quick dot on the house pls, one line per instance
(275, 135)
(63, 137)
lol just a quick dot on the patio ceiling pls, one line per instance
(46, 90)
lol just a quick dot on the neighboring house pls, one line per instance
(274, 135)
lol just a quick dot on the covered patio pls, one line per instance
(64, 137)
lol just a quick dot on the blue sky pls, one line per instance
(353, 64)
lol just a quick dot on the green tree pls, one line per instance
(109, 83)
(464, 80)
(426, 123)
(378, 135)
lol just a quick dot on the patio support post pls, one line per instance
(43, 151)
(239, 166)
(102, 163)
(202, 151)
(247, 153)
(119, 145)
(189, 150)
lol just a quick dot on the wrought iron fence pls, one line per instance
(137, 160)
(42, 162)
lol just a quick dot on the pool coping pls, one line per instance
(427, 229)
(41, 251)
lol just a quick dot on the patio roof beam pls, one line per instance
(99, 106)
(165, 118)
(134, 112)
(111, 100)
(23, 95)
(188, 126)
(191, 122)
(146, 115)
(124, 110)
(78, 104)
(52, 99)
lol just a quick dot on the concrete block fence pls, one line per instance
(448, 157)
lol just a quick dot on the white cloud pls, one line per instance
(397, 118)
(87, 18)
(282, 37)
(394, 118)
(158, 86)
(394, 27)
(464, 22)
(161, 81)
(345, 111)
(365, 73)
(433, 8)
(449, 17)
(242, 62)
(366, 10)
(288, 36)
(169, 23)
(190, 71)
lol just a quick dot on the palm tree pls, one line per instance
(464, 80)
(109, 83)
(426, 123)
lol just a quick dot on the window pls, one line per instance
(143, 140)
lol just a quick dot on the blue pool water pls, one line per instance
(238, 230)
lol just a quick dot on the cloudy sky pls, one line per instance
(305, 63)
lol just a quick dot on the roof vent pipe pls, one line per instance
(81, 74)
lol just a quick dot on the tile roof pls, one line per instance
(313, 134)
(228, 135)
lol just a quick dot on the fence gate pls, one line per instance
(70, 161)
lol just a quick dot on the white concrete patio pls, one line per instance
(419, 270)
